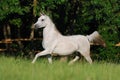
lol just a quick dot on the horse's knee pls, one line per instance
(37, 55)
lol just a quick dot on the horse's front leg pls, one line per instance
(49, 59)
(45, 52)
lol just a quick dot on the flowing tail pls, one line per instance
(96, 39)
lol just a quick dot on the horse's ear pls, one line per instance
(42, 14)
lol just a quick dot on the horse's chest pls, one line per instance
(47, 43)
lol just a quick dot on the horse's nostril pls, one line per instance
(36, 26)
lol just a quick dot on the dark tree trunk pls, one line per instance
(7, 35)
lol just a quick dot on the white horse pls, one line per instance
(55, 42)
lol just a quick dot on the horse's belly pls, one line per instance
(65, 48)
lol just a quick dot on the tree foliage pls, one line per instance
(10, 11)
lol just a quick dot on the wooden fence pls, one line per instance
(8, 42)
(118, 44)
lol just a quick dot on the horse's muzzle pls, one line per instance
(36, 26)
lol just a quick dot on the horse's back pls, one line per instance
(80, 39)
(77, 39)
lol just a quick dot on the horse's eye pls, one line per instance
(42, 19)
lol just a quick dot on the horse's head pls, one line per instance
(42, 21)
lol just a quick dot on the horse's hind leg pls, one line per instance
(87, 56)
(74, 60)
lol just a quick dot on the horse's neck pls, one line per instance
(50, 32)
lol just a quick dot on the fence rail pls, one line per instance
(118, 44)
(19, 39)
(10, 41)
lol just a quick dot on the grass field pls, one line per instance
(22, 69)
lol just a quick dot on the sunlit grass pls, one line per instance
(22, 69)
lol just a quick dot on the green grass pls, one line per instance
(22, 69)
